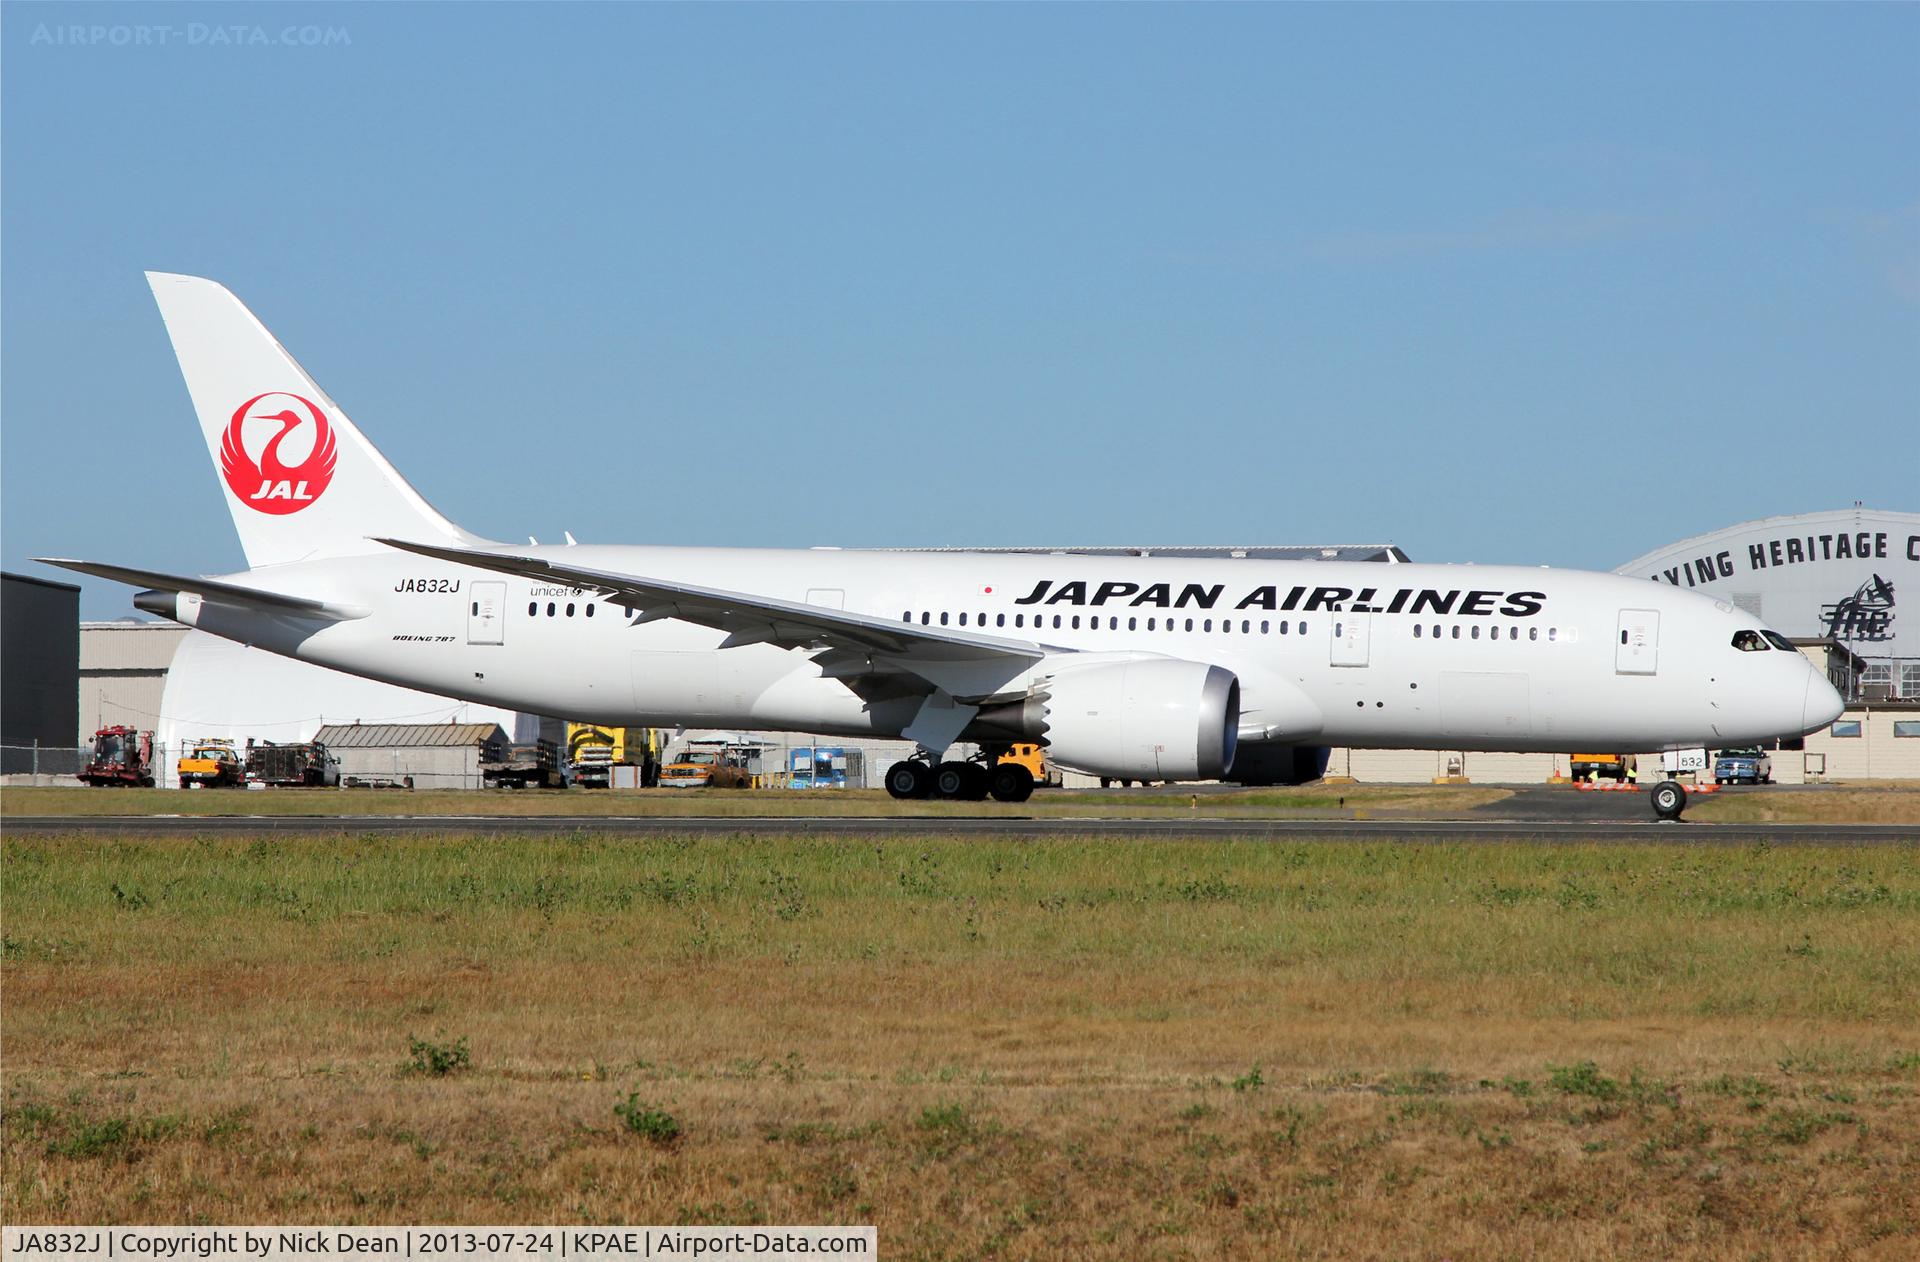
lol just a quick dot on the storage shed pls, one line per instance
(417, 755)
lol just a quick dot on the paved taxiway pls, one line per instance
(1477, 830)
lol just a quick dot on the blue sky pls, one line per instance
(1545, 284)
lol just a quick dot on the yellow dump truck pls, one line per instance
(212, 764)
(594, 751)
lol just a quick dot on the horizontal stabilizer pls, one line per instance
(217, 590)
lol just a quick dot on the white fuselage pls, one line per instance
(1389, 655)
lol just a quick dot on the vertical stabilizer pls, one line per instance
(300, 479)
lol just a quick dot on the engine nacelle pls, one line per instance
(1132, 718)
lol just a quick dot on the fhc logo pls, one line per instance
(270, 484)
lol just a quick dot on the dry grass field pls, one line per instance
(1047, 1049)
(1879, 804)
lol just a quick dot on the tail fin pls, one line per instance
(300, 480)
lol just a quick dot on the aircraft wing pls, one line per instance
(214, 589)
(959, 662)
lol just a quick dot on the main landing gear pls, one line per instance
(960, 781)
(1669, 799)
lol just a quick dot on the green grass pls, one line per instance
(1746, 930)
(1333, 801)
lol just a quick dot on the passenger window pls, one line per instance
(1263, 626)
(1301, 627)
(1207, 625)
(1336, 630)
(1076, 622)
(1113, 624)
(1553, 633)
(1533, 633)
(1745, 641)
(1456, 631)
(943, 617)
(963, 618)
(999, 620)
(569, 609)
(1056, 622)
(1150, 622)
(533, 607)
(589, 611)
(549, 609)
(1189, 624)
(1476, 630)
(925, 618)
(1416, 630)
(1245, 626)
(1133, 624)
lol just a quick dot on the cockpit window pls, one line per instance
(1749, 642)
(1778, 641)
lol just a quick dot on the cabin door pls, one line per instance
(1351, 633)
(1636, 647)
(486, 613)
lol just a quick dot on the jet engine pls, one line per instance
(1148, 718)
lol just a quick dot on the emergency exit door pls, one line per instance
(486, 613)
(1351, 633)
(1636, 647)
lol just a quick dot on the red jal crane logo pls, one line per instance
(272, 485)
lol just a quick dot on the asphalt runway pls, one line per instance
(1467, 830)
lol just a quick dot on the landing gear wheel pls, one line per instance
(959, 781)
(979, 782)
(1010, 782)
(1669, 799)
(909, 779)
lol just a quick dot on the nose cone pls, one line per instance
(1823, 703)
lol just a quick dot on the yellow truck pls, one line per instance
(1601, 766)
(211, 764)
(594, 751)
(1034, 759)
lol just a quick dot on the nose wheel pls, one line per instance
(1669, 799)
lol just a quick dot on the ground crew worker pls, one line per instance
(1633, 769)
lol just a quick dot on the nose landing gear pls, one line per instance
(1669, 799)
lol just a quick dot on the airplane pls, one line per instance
(1149, 668)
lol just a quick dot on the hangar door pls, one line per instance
(486, 613)
(1351, 635)
(1637, 647)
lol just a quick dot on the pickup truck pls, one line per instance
(1731, 766)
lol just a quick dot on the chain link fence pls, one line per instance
(42, 764)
